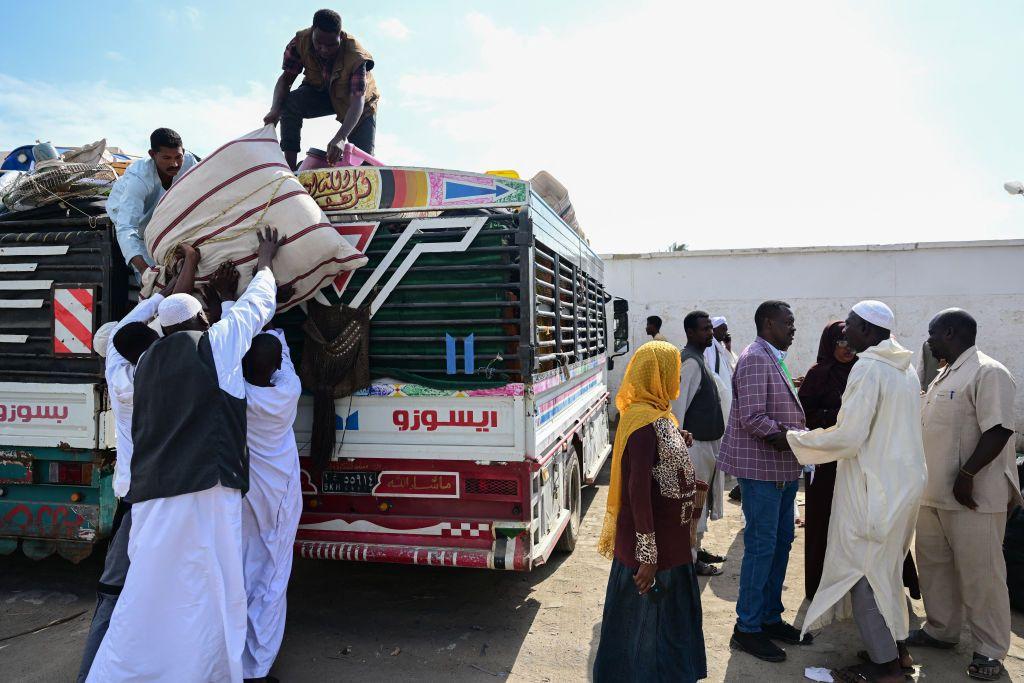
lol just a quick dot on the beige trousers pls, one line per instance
(960, 561)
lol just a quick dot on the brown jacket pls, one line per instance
(350, 55)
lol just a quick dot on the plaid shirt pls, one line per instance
(293, 66)
(763, 401)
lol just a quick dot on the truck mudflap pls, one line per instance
(505, 553)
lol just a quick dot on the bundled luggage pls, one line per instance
(219, 205)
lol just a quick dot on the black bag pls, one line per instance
(335, 364)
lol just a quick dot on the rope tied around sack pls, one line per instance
(187, 236)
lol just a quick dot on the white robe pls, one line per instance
(182, 613)
(270, 512)
(120, 376)
(879, 482)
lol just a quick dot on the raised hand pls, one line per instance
(270, 242)
(224, 281)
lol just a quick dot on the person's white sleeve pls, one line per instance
(689, 383)
(126, 206)
(231, 336)
(143, 312)
(286, 378)
(709, 357)
(845, 438)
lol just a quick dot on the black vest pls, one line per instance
(704, 417)
(188, 433)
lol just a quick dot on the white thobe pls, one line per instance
(879, 482)
(718, 355)
(703, 454)
(182, 613)
(120, 376)
(270, 511)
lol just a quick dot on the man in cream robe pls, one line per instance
(879, 482)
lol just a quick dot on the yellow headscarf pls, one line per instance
(648, 388)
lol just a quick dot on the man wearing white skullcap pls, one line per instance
(189, 471)
(876, 313)
(124, 343)
(878, 432)
(177, 309)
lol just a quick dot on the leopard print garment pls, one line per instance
(674, 472)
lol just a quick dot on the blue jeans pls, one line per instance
(767, 538)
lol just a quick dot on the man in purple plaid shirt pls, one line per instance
(754, 450)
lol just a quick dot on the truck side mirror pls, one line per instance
(620, 307)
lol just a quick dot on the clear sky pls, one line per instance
(718, 125)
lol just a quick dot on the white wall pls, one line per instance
(821, 283)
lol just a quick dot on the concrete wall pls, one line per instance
(821, 283)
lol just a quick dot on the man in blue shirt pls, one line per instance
(136, 193)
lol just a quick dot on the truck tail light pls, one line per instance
(70, 473)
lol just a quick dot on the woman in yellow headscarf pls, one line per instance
(651, 630)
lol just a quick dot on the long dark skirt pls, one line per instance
(817, 511)
(645, 638)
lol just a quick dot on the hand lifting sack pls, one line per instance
(219, 205)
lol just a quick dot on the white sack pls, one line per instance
(218, 205)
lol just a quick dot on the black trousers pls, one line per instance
(306, 102)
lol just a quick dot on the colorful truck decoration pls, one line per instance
(487, 411)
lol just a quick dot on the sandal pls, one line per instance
(705, 569)
(984, 669)
(920, 638)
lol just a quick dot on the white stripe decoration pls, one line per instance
(59, 250)
(82, 314)
(473, 225)
(21, 303)
(18, 267)
(25, 284)
(13, 338)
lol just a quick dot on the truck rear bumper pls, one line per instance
(505, 553)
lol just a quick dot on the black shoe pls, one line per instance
(758, 645)
(787, 633)
(709, 558)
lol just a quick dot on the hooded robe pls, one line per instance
(880, 478)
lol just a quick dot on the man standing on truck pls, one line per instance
(131, 337)
(182, 613)
(137, 192)
(337, 80)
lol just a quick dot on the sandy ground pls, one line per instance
(365, 622)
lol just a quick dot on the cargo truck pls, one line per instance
(488, 351)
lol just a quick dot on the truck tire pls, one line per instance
(574, 493)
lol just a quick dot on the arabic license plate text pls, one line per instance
(349, 482)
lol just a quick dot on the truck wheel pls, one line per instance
(573, 481)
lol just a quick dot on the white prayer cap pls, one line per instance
(876, 313)
(717, 321)
(101, 338)
(177, 308)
